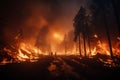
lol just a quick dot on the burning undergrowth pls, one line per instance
(48, 41)
(33, 31)
(41, 28)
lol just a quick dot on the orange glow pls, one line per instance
(4, 61)
(26, 51)
(58, 36)
(101, 48)
(21, 56)
(118, 38)
(93, 52)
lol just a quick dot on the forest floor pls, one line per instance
(62, 68)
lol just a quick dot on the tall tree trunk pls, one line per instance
(80, 45)
(65, 44)
(65, 49)
(108, 33)
(84, 43)
(89, 45)
(116, 6)
(76, 47)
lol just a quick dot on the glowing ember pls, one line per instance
(95, 36)
(118, 38)
(5, 61)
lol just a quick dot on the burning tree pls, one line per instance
(100, 12)
(93, 29)
(80, 25)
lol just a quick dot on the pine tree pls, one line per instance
(99, 13)
(79, 26)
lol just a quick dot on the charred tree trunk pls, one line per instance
(80, 45)
(65, 44)
(107, 32)
(89, 45)
(84, 40)
(65, 48)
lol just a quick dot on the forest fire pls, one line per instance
(27, 52)
(103, 48)
(24, 52)
(59, 39)
(100, 48)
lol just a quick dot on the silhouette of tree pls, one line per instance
(100, 11)
(116, 7)
(88, 32)
(80, 27)
(65, 43)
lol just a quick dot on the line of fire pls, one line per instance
(60, 39)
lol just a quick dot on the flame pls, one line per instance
(103, 48)
(28, 52)
(5, 61)
(22, 56)
(93, 51)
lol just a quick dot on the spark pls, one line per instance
(95, 36)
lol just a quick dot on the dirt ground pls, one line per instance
(61, 68)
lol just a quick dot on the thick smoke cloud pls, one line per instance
(36, 20)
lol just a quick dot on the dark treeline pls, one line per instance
(101, 17)
(116, 7)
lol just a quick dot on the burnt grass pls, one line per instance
(76, 68)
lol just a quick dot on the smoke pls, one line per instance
(41, 40)
(37, 20)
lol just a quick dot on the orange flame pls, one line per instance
(26, 51)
